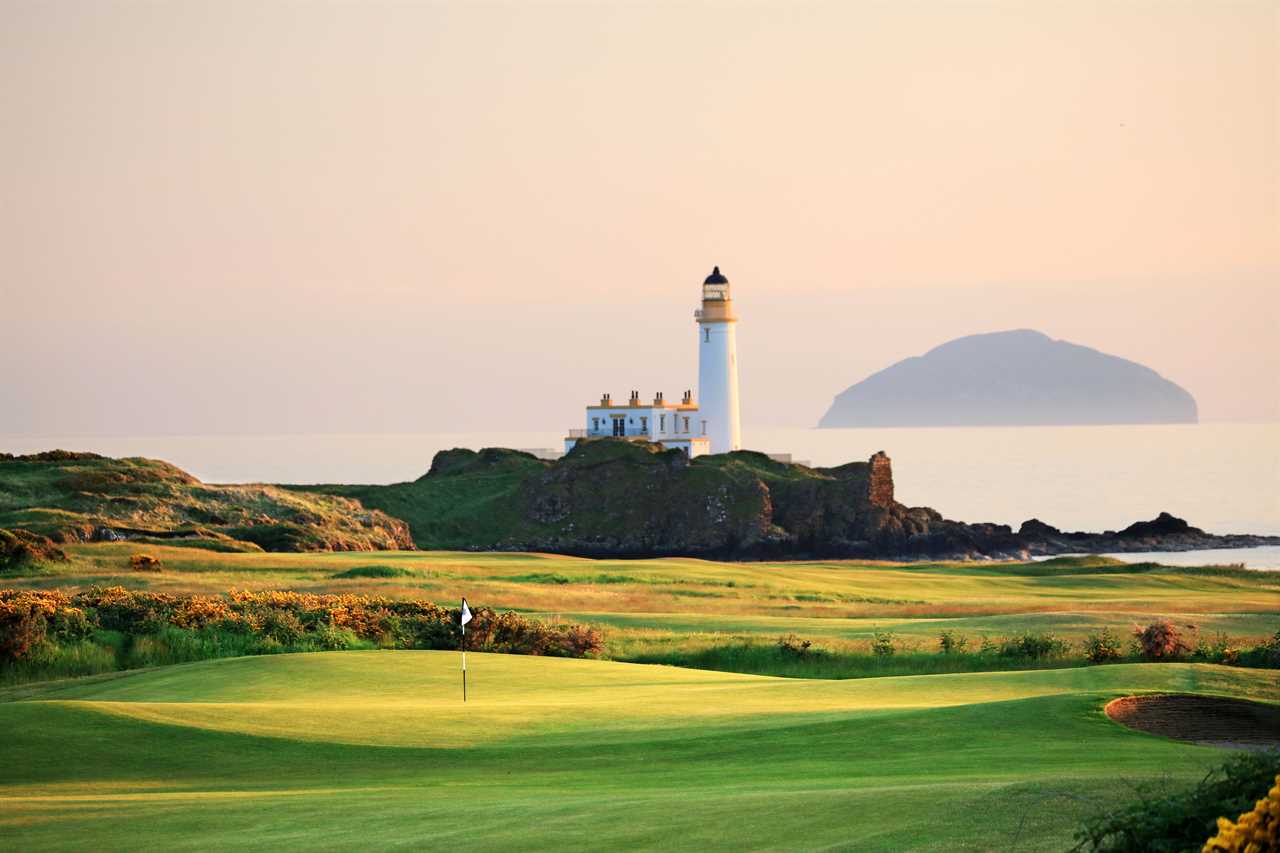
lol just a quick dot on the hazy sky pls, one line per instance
(256, 217)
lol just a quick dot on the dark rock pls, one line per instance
(460, 460)
(1034, 528)
(610, 497)
(1162, 525)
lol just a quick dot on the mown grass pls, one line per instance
(376, 750)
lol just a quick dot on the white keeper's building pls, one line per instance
(708, 423)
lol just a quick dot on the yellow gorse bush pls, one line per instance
(30, 618)
(1257, 831)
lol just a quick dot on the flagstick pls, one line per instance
(464, 616)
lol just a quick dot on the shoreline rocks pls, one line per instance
(617, 498)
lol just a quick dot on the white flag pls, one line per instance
(466, 612)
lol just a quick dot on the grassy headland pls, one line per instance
(74, 497)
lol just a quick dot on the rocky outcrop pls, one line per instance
(610, 497)
(1165, 532)
(607, 497)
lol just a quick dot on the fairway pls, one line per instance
(375, 748)
(647, 604)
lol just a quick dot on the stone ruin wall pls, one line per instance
(880, 483)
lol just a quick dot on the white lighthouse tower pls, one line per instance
(707, 425)
(718, 366)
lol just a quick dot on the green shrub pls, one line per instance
(1103, 647)
(1032, 646)
(950, 643)
(791, 646)
(22, 628)
(150, 629)
(882, 645)
(284, 627)
(1171, 822)
(1264, 655)
(172, 645)
(393, 633)
(330, 639)
(53, 660)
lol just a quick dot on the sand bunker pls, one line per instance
(1207, 720)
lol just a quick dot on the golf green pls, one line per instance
(376, 749)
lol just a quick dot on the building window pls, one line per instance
(686, 424)
(644, 425)
(706, 334)
(704, 427)
(662, 423)
(619, 426)
(595, 424)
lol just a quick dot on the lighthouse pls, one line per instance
(718, 365)
(709, 424)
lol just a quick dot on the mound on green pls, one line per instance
(377, 750)
(375, 572)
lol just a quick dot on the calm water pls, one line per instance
(1222, 477)
(1267, 558)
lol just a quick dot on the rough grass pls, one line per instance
(646, 605)
(70, 497)
(459, 511)
(762, 659)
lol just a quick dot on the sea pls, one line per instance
(1222, 477)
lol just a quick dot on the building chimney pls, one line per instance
(606, 400)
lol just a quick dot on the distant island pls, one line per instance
(607, 498)
(1015, 378)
